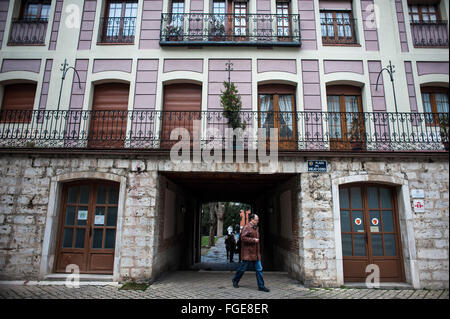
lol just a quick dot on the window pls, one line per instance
(17, 104)
(423, 13)
(283, 29)
(435, 101)
(240, 19)
(345, 118)
(120, 21)
(36, 10)
(277, 110)
(337, 27)
(177, 13)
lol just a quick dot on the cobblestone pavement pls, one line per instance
(212, 285)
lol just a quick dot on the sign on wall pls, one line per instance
(419, 205)
(317, 166)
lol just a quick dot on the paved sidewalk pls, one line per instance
(212, 285)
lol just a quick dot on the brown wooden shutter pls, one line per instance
(18, 101)
(109, 115)
(182, 105)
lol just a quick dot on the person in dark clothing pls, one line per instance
(232, 242)
(250, 253)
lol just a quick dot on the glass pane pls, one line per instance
(113, 196)
(388, 221)
(441, 102)
(358, 221)
(110, 237)
(343, 198)
(355, 194)
(347, 249)
(360, 245)
(98, 237)
(82, 216)
(111, 218)
(79, 238)
(72, 195)
(389, 245)
(101, 194)
(386, 200)
(375, 224)
(84, 194)
(377, 245)
(70, 216)
(99, 219)
(372, 194)
(67, 237)
(345, 221)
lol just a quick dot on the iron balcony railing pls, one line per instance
(118, 30)
(28, 32)
(230, 29)
(429, 34)
(340, 31)
(297, 131)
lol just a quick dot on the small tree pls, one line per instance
(232, 104)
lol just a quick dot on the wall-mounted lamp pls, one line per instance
(183, 209)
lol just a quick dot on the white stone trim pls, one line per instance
(405, 220)
(51, 226)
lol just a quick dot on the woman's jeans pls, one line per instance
(243, 267)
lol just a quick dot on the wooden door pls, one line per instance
(276, 105)
(345, 118)
(370, 232)
(87, 228)
(108, 121)
(182, 105)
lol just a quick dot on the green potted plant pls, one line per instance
(443, 128)
(232, 104)
(356, 134)
(174, 33)
(217, 31)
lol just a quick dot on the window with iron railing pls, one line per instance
(427, 29)
(119, 23)
(30, 27)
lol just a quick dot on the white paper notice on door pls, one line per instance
(99, 220)
(82, 214)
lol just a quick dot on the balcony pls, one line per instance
(28, 32)
(230, 29)
(429, 34)
(117, 30)
(150, 130)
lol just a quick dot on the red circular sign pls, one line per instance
(358, 221)
(375, 221)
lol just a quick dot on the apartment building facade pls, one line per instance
(357, 90)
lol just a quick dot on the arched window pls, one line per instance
(435, 101)
(345, 116)
(109, 115)
(276, 103)
(17, 104)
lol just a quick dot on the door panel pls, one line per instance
(87, 229)
(109, 117)
(370, 232)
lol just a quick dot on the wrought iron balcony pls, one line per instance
(118, 30)
(230, 29)
(298, 131)
(429, 34)
(28, 32)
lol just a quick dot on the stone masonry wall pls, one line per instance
(25, 189)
